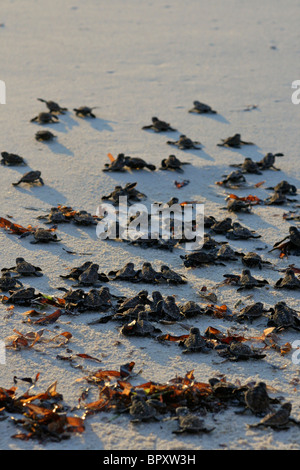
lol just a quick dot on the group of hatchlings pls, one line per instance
(282, 317)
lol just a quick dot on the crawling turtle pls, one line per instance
(237, 205)
(235, 179)
(7, 282)
(171, 276)
(194, 342)
(129, 191)
(12, 159)
(94, 301)
(185, 143)
(285, 188)
(44, 136)
(21, 297)
(284, 317)
(293, 237)
(53, 107)
(45, 118)
(85, 111)
(234, 141)
(127, 273)
(136, 163)
(245, 280)
(159, 126)
(140, 326)
(278, 198)
(253, 260)
(209, 243)
(42, 235)
(89, 277)
(84, 218)
(148, 274)
(277, 420)
(201, 108)
(257, 399)
(248, 166)
(222, 226)
(73, 298)
(55, 216)
(191, 309)
(77, 271)
(251, 312)
(140, 410)
(226, 253)
(172, 163)
(240, 352)
(196, 259)
(140, 299)
(168, 310)
(30, 177)
(268, 161)
(289, 281)
(23, 268)
(238, 232)
(117, 164)
(189, 422)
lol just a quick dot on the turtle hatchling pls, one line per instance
(222, 226)
(234, 141)
(23, 268)
(85, 111)
(185, 143)
(202, 108)
(268, 161)
(289, 281)
(127, 273)
(21, 297)
(277, 420)
(251, 312)
(198, 258)
(31, 177)
(136, 163)
(168, 310)
(189, 422)
(7, 282)
(140, 326)
(253, 260)
(194, 342)
(53, 107)
(248, 166)
(89, 277)
(44, 136)
(191, 309)
(117, 164)
(45, 118)
(140, 410)
(240, 352)
(172, 163)
(12, 159)
(171, 276)
(159, 126)
(257, 399)
(285, 188)
(42, 235)
(284, 317)
(245, 280)
(237, 205)
(235, 179)
(238, 232)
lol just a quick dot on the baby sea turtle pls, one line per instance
(235, 178)
(94, 300)
(42, 235)
(148, 274)
(278, 198)
(7, 282)
(172, 163)
(189, 422)
(159, 126)
(53, 107)
(30, 177)
(191, 309)
(268, 161)
(23, 268)
(22, 297)
(140, 299)
(201, 108)
(12, 159)
(292, 245)
(236, 205)
(253, 260)
(194, 342)
(55, 216)
(257, 399)
(222, 226)
(284, 317)
(140, 410)
(85, 111)
(127, 273)
(171, 276)
(285, 188)
(184, 143)
(168, 310)
(89, 277)
(140, 327)
(240, 352)
(248, 166)
(45, 118)
(245, 280)
(44, 136)
(77, 271)
(226, 253)
(238, 232)
(196, 259)
(136, 163)
(84, 218)
(278, 420)
(251, 312)
(117, 164)
(289, 281)
(234, 141)
(129, 191)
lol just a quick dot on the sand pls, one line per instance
(135, 61)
